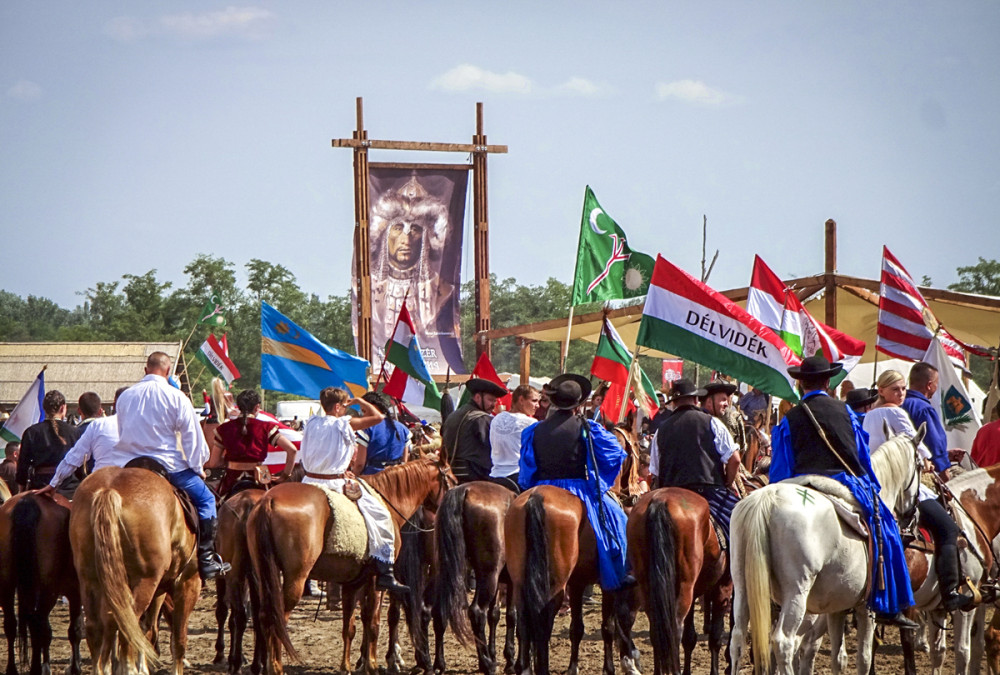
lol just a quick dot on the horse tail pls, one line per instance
(409, 567)
(661, 546)
(267, 578)
(755, 550)
(109, 564)
(452, 602)
(26, 516)
(535, 588)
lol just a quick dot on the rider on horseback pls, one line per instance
(693, 449)
(579, 455)
(822, 436)
(465, 434)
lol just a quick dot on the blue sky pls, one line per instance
(136, 135)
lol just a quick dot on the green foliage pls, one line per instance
(982, 278)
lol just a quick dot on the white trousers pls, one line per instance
(378, 521)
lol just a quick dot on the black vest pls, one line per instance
(465, 436)
(809, 451)
(688, 455)
(560, 451)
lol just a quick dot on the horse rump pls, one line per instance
(266, 577)
(661, 549)
(451, 599)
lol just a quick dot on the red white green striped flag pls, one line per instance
(411, 382)
(685, 317)
(611, 363)
(214, 356)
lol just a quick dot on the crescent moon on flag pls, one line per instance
(593, 221)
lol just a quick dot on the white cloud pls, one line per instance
(693, 91)
(24, 90)
(250, 22)
(126, 29)
(467, 77)
(578, 86)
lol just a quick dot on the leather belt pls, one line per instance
(242, 466)
(325, 476)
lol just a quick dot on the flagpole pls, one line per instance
(628, 387)
(565, 349)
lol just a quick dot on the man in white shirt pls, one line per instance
(505, 435)
(156, 420)
(98, 443)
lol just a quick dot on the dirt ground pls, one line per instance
(318, 638)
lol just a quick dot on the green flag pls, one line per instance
(606, 268)
(212, 314)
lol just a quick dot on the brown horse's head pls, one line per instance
(422, 482)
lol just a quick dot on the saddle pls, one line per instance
(346, 533)
(187, 506)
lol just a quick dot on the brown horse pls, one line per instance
(552, 553)
(676, 558)
(286, 534)
(469, 534)
(234, 588)
(626, 486)
(36, 564)
(131, 547)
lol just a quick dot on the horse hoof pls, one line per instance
(629, 667)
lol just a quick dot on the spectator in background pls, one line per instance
(753, 402)
(44, 445)
(986, 447)
(505, 435)
(923, 385)
(8, 468)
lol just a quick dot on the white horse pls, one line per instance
(790, 546)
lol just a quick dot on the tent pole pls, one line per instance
(565, 349)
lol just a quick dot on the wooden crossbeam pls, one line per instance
(417, 145)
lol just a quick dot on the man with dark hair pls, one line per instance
(89, 405)
(505, 435)
(465, 435)
(924, 380)
(822, 436)
(8, 469)
(718, 403)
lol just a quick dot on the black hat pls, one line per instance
(683, 388)
(480, 386)
(815, 367)
(568, 390)
(716, 386)
(859, 398)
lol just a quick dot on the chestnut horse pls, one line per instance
(36, 564)
(132, 546)
(551, 553)
(286, 537)
(676, 558)
(470, 534)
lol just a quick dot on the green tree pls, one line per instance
(982, 278)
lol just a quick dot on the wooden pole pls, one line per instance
(628, 387)
(830, 273)
(525, 361)
(481, 235)
(362, 248)
(565, 344)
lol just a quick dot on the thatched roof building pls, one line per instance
(77, 367)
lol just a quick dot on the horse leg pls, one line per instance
(221, 613)
(392, 656)
(185, 596)
(479, 611)
(75, 632)
(41, 634)
(348, 600)
(717, 605)
(866, 639)
(784, 637)
(835, 624)
(937, 639)
(609, 627)
(963, 640)
(907, 640)
(978, 637)
(440, 625)
(371, 607)
(510, 639)
(10, 629)
(576, 628)
(689, 638)
(738, 626)
(234, 600)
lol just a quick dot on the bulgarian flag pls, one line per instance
(685, 317)
(613, 363)
(214, 356)
(411, 382)
(779, 308)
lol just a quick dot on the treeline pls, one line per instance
(142, 308)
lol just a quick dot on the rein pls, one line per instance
(444, 484)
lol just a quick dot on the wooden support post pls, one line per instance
(525, 353)
(481, 228)
(362, 250)
(830, 273)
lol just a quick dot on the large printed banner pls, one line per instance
(415, 235)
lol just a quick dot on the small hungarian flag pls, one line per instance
(213, 355)
(606, 268)
(612, 363)
(484, 370)
(685, 317)
(411, 382)
(211, 313)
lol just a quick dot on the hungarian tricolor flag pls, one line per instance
(214, 356)
(613, 363)
(411, 382)
(484, 370)
(779, 308)
(685, 317)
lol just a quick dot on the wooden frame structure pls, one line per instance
(479, 149)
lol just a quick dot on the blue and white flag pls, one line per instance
(28, 411)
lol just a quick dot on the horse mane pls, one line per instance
(893, 462)
(401, 480)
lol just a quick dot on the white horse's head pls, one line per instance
(898, 464)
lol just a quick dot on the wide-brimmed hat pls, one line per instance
(683, 388)
(859, 398)
(815, 367)
(715, 386)
(569, 390)
(480, 386)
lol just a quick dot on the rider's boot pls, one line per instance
(210, 563)
(386, 580)
(898, 619)
(946, 566)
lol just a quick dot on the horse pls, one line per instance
(36, 565)
(775, 555)
(626, 486)
(551, 553)
(676, 557)
(233, 589)
(131, 547)
(286, 534)
(469, 534)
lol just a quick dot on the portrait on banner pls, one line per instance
(415, 247)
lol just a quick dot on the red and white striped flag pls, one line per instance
(906, 323)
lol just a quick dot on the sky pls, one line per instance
(136, 135)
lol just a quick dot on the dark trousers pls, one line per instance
(721, 502)
(935, 518)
